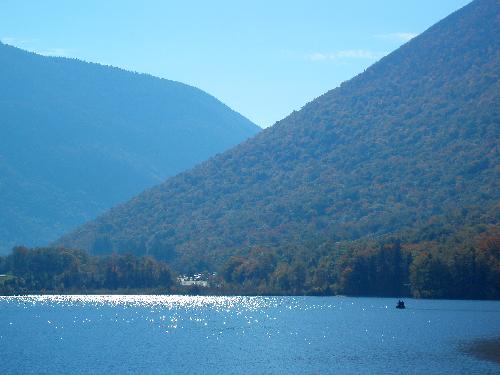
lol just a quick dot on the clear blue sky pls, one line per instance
(263, 58)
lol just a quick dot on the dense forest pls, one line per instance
(77, 138)
(406, 150)
(456, 267)
(58, 270)
(385, 267)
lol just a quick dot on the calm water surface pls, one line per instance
(241, 335)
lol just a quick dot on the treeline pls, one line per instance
(59, 270)
(389, 267)
(371, 269)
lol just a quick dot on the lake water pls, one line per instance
(241, 335)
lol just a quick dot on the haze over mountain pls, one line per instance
(77, 138)
(409, 143)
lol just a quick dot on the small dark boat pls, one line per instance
(401, 305)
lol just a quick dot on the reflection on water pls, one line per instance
(224, 335)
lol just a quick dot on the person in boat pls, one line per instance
(400, 305)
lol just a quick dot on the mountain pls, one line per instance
(77, 138)
(408, 146)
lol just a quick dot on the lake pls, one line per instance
(242, 335)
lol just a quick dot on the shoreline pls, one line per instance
(485, 349)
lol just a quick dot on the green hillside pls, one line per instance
(408, 149)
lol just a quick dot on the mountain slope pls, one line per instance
(412, 139)
(77, 138)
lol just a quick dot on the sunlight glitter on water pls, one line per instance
(168, 313)
(218, 303)
(172, 312)
(165, 301)
(293, 334)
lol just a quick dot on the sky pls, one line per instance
(263, 58)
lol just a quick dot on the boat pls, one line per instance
(401, 305)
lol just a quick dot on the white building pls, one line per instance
(195, 280)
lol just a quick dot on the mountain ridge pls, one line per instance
(79, 137)
(410, 139)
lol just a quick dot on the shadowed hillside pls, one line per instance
(410, 142)
(77, 138)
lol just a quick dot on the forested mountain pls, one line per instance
(408, 149)
(77, 138)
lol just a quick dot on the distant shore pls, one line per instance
(488, 349)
